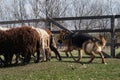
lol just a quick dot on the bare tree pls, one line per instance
(92, 8)
(18, 10)
(56, 8)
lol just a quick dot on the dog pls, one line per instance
(82, 41)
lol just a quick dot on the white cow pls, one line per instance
(45, 44)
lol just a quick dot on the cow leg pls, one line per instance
(56, 52)
(48, 54)
(8, 58)
(26, 58)
(38, 56)
(43, 55)
(17, 57)
(1, 62)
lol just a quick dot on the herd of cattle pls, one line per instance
(24, 42)
(29, 42)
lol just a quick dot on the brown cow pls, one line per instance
(21, 40)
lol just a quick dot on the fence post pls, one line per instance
(57, 24)
(113, 36)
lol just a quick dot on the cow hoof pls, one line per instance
(36, 61)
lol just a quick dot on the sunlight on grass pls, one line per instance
(67, 69)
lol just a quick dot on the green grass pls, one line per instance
(67, 69)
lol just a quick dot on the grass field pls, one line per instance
(67, 69)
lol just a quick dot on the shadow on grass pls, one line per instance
(12, 65)
(16, 65)
(80, 62)
(118, 56)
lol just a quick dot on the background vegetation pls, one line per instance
(35, 9)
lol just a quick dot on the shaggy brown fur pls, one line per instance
(80, 41)
(3, 44)
(21, 40)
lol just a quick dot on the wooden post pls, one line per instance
(58, 25)
(113, 36)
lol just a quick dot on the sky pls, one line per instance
(29, 9)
